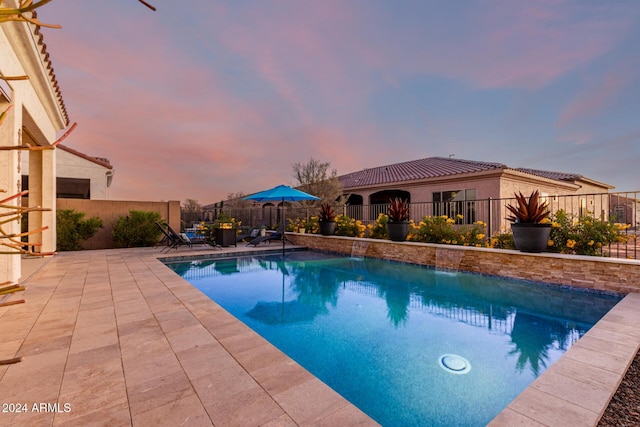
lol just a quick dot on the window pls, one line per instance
(459, 205)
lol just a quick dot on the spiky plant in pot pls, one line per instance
(398, 210)
(398, 225)
(531, 211)
(530, 231)
(327, 224)
(327, 213)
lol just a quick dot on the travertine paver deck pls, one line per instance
(115, 338)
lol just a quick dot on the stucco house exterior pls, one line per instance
(34, 113)
(451, 186)
(78, 175)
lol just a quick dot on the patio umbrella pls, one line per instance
(281, 193)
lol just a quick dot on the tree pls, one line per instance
(191, 206)
(316, 178)
(236, 201)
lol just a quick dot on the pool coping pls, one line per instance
(121, 324)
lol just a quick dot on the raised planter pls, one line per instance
(601, 273)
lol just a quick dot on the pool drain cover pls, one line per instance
(454, 364)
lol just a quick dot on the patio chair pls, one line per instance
(251, 235)
(190, 242)
(278, 235)
(170, 238)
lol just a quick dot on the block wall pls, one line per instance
(110, 210)
(607, 274)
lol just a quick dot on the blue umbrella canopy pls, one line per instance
(281, 193)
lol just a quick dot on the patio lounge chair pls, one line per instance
(188, 240)
(278, 235)
(251, 235)
(180, 239)
(170, 238)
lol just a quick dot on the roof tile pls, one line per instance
(430, 167)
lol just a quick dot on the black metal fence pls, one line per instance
(621, 207)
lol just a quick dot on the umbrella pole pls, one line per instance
(284, 226)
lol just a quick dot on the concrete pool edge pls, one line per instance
(578, 387)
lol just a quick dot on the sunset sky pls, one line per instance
(203, 98)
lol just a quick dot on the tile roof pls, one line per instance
(431, 167)
(560, 176)
(49, 66)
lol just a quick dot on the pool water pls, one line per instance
(408, 345)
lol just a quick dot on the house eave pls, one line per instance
(30, 51)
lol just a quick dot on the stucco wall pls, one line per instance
(607, 274)
(69, 165)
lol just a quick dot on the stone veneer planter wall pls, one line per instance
(607, 274)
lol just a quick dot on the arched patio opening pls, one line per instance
(354, 206)
(380, 200)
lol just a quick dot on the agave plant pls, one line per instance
(327, 214)
(398, 210)
(531, 211)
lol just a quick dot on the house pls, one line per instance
(452, 187)
(34, 112)
(78, 175)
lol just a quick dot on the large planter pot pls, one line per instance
(327, 228)
(225, 237)
(531, 237)
(398, 231)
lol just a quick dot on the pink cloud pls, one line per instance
(165, 108)
(516, 44)
(594, 99)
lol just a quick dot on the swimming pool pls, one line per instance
(406, 344)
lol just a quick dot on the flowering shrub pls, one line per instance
(442, 229)
(502, 240)
(584, 236)
(310, 225)
(378, 230)
(349, 227)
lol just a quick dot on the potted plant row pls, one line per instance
(398, 224)
(530, 225)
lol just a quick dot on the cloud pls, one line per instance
(225, 96)
(593, 100)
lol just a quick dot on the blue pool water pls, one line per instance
(408, 345)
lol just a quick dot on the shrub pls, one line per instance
(502, 240)
(584, 236)
(71, 228)
(442, 229)
(378, 230)
(138, 229)
(310, 225)
(349, 227)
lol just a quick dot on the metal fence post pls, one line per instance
(489, 219)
